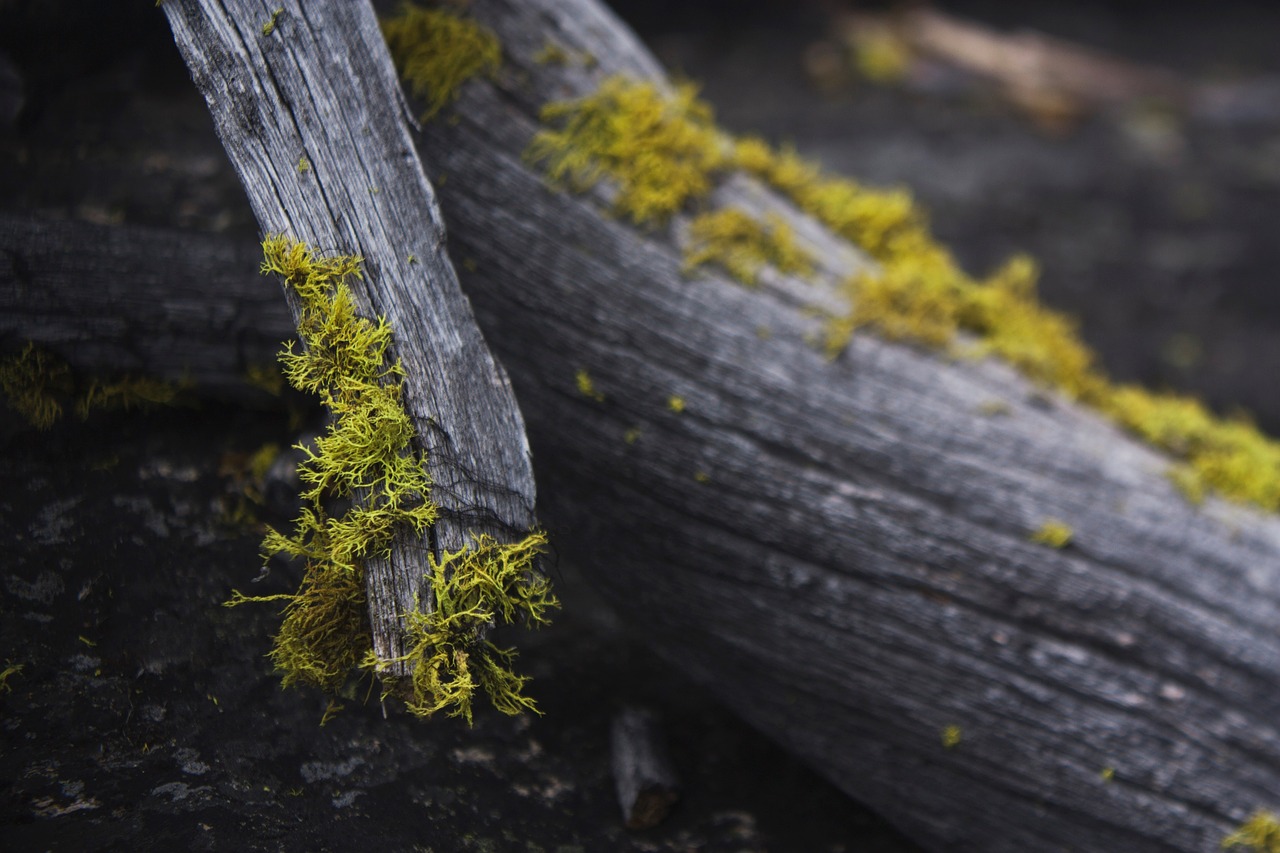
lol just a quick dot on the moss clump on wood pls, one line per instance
(33, 381)
(1261, 832)
(367, 457)
(39, 386)
(743, 245)
(1053, 533)
(660, 149)
(436, 51)
(664, 153)
(475, 588)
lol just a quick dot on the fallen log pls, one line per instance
(841, 549)
(308, 109)
(124, 299)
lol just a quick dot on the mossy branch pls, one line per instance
(367, 454)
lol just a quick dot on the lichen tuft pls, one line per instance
(475, 588)
(663, 153)
(367, 456)
(660, 149)
(1261, 832)
(743, 245)
(1052, 532)
(436, 51)
(32, 382)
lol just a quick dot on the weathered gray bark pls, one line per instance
(125, 299)
(855, 574)
(320, 85)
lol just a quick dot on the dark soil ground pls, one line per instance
(145, 715)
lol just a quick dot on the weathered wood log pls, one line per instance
(181, 306)
(642, 771)
(307, 106)
(854, 575)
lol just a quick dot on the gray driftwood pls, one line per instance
(642, 771)
(319, 85)
(854, 575)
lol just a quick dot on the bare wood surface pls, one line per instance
(181, 306)
(319, 85)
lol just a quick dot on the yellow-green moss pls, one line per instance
(664, 153)
(1053, 533)
(269, 26)
(880, 55)
(951, 736)
(33, 381)
(127, 394)
(10, 669)
(367, 456)
(475, 588)
(39, 386)
(676, 403)
(436, 51)
(743, 245)
(1261, 832)
(266, 377)
(660, 150)
(587, 387)
(551, 54)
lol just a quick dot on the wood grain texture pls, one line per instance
(125, 299)
(321, 86)
(854, 575)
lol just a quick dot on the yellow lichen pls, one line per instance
(39, 385)
(551, 54)
(1261, 832)
(586, 387)
(663, 153)
(675, 403)
(920, 294)
(660, 150)
(951, 736)
(880, 55)
(743, 245)
(436, 51)
(10, 669)
(304, 164)
(1053, 533)
(474, 588)
(127, 394)
(367, 456)
(33, 382)
(270, 26)
(1108, 774)
(266, 377)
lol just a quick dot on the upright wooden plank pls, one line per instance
(305, 100)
